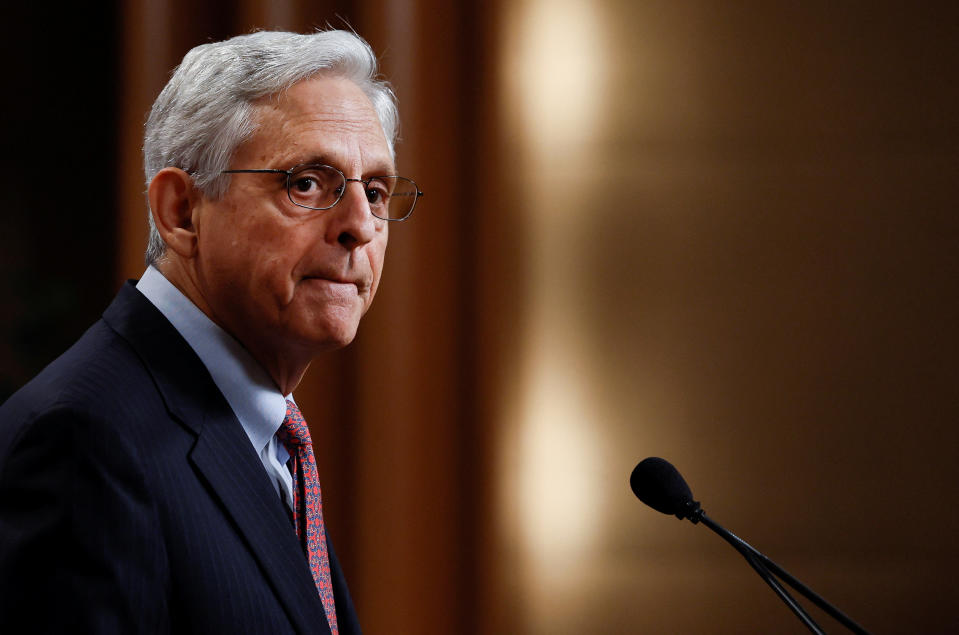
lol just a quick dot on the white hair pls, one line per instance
(206, 109)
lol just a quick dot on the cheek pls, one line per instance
(249, 257)
(377, 258)
(224, 234)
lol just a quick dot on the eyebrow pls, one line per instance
(378, 169)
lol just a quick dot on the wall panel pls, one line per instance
(739, 253)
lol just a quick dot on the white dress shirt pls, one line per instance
(250, 391)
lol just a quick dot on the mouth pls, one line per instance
(335, 281)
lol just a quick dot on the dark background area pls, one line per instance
(59, 170)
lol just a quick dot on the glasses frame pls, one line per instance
(366, 183)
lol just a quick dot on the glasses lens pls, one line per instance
(402, 199)
(316, 186)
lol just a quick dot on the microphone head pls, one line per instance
(660, 485)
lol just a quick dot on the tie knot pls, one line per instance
(293, 431)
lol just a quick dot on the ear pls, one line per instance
(172, 197)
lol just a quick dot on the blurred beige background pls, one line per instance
(723, 233)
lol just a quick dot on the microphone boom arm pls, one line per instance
(769, 570)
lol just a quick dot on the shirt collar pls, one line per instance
(251, 393)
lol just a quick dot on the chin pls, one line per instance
(330, 338)
(323, 328)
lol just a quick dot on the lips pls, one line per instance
(361, 283)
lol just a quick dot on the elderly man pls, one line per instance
(159, 477)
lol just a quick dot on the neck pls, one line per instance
(285, 367)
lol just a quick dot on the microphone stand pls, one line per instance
(767, 570)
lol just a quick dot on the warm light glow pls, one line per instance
(558, 72)
(556, 69)
(559, 462)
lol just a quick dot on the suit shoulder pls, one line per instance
(98, 378)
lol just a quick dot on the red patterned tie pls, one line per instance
(308, 505)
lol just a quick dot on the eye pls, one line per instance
(377, 193)
(304, 184)
(316, 186)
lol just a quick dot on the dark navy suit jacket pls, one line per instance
(132, 501)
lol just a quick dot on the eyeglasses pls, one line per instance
(316, 186)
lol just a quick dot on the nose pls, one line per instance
(352, 224)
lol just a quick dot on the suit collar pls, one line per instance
(222, 454)
(248, 388)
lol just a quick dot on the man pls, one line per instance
(158, 477)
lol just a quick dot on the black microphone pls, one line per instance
(660, 485)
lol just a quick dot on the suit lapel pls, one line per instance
(222, 455)
(239, 481)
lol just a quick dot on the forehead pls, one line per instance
(324, 119)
